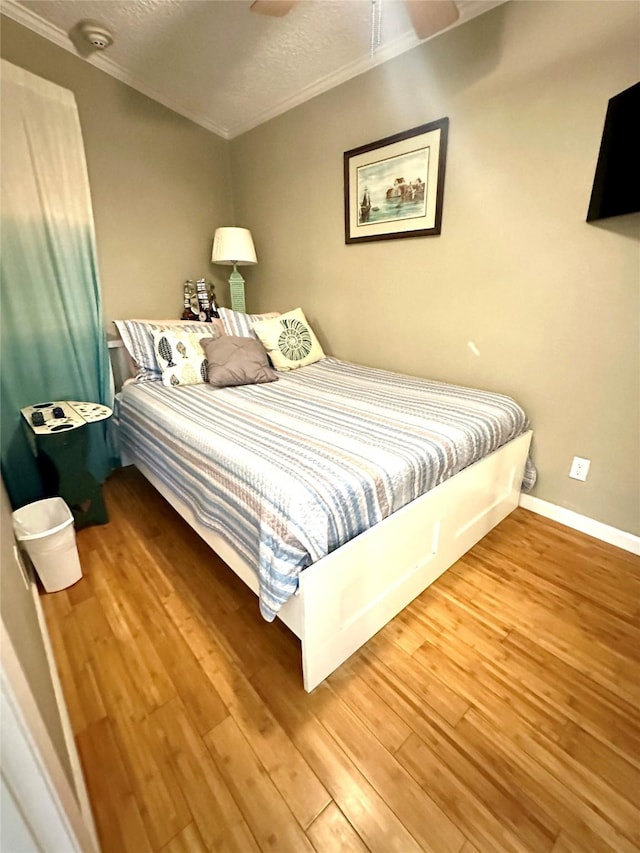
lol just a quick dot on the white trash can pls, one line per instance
(45, 529)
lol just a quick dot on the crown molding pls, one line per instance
(27, 18)
(336, 78)
(400, 45)
(43, 28)
(384, 53)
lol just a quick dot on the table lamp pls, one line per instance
(234, 247)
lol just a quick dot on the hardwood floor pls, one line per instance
(498, 712)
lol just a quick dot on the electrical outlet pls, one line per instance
(579, 468)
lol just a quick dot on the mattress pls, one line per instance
(288, 471)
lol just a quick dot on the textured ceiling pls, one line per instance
(222, 66)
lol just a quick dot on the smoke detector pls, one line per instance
(96, 34)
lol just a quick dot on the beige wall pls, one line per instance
(550, 302)
(160, 183)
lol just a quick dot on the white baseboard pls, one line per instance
(604, 532)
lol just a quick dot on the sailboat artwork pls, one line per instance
(386, 192)
(365, 205)
(394, 187)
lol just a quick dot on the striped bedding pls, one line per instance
(288, 471)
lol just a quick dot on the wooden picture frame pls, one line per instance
(394, 187)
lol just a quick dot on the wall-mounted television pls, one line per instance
(616, 185)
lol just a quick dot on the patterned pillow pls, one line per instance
(289, 340)
(181, 357)
(238, 324)
(137, 336)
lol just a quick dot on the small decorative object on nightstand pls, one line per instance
(191, 308)
(59, 439)
(199, 301)
(206, 300)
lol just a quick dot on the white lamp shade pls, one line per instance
(233, 246)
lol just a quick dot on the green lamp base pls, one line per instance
(236, 288)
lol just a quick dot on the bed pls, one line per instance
(337, 493)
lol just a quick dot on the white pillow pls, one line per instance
(180, 356)
(289, 340)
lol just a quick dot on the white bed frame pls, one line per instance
(349, 595)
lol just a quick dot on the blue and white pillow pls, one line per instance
(238, 324)
(137, 336)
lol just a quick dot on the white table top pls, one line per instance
(76, 414)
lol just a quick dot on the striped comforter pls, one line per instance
(288, 471)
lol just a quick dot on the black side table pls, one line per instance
(59, 439)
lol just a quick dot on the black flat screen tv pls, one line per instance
(616, 185)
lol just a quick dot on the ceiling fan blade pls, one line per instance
(272, 8)
(430, 16)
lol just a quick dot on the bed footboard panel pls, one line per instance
(352, 593)
(348, 596)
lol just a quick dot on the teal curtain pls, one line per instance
(52, 340)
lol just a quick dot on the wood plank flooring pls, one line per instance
(498, 712)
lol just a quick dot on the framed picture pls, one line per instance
(394, 187)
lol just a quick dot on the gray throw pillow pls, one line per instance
(237, 361)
